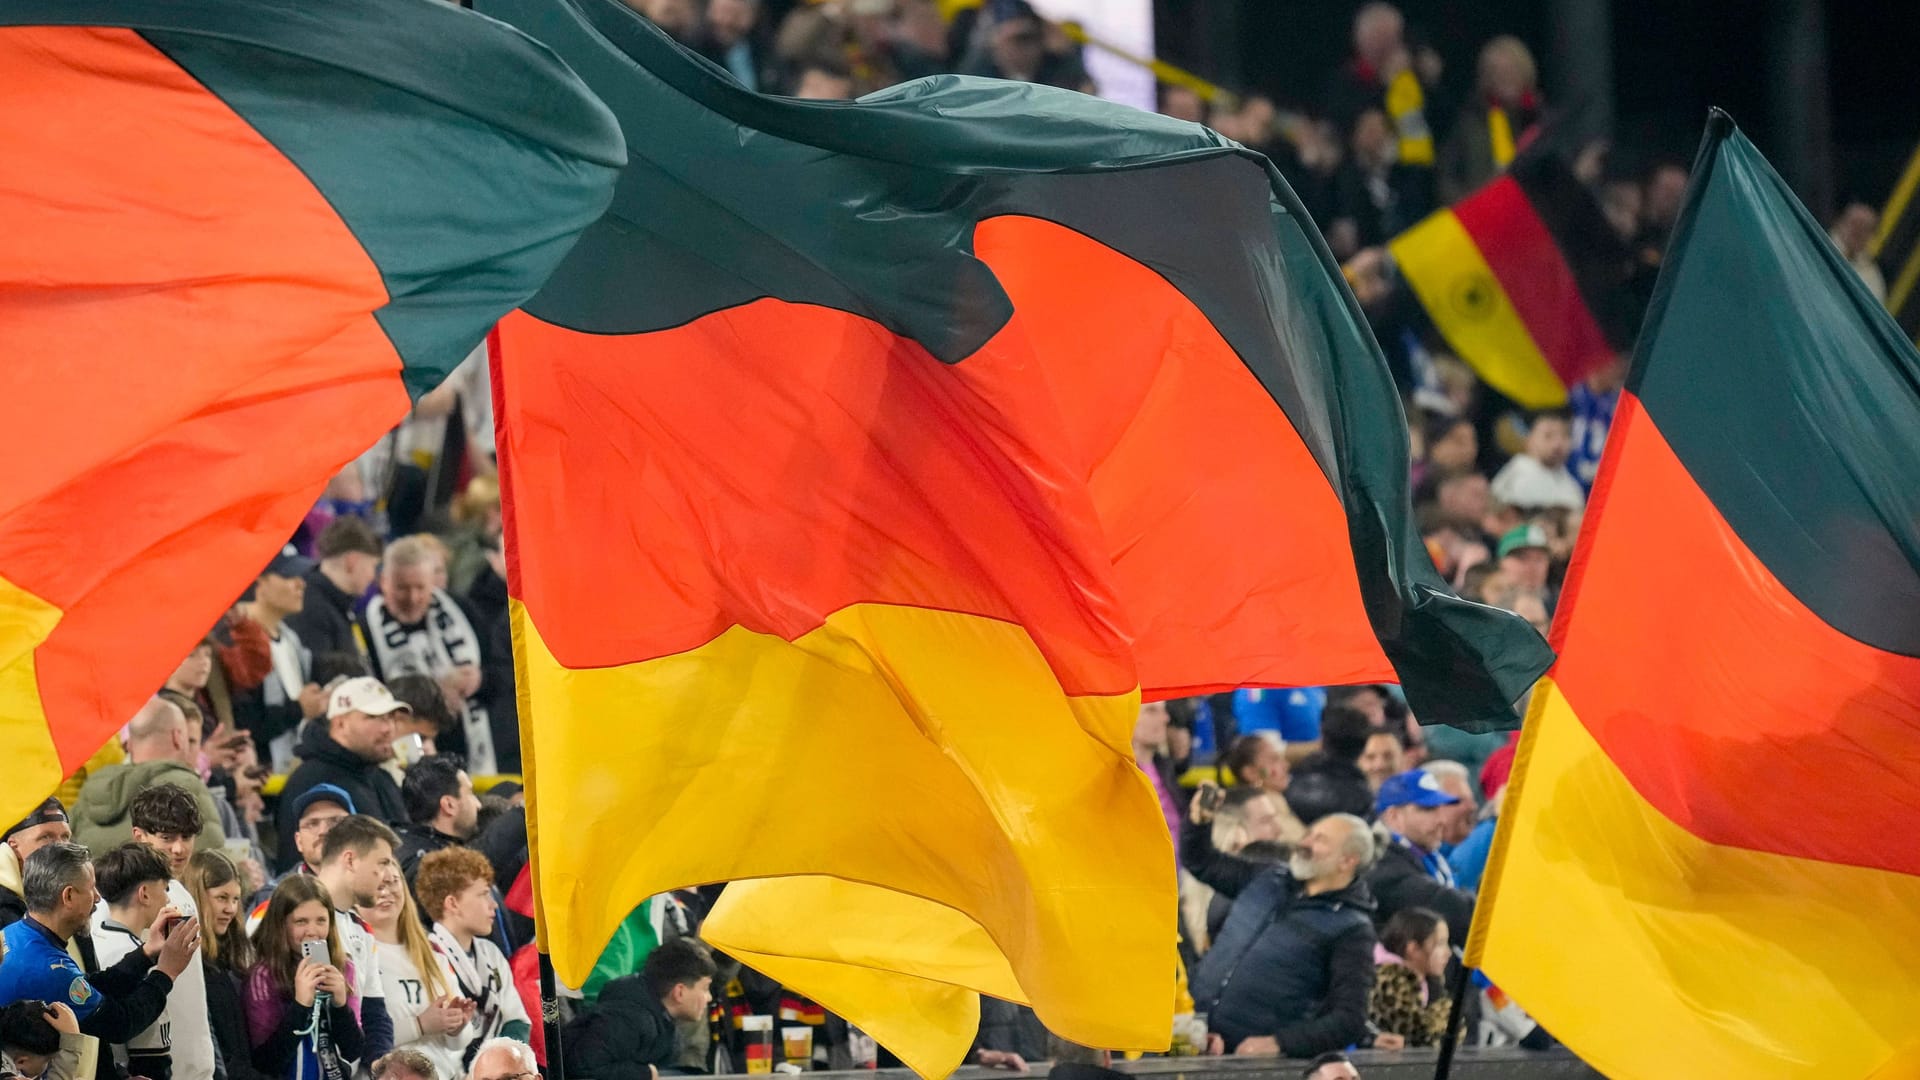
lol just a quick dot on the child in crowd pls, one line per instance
(42, 1041)
(1411, 954)
(295, 1034)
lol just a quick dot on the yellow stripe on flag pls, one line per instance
(926, 752)
(26, 743)
(1607, 917)
(1457, 287)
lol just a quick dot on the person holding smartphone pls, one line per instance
(302, 1012)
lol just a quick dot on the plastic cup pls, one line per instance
(757, 1043)
(798, 1044)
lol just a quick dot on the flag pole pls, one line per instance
(550, 1015)
(1451, 1040)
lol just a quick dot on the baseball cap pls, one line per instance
(1416, 787)
(365, 694)
(46, 812)
(288, 564)
(1522, 536)
(332, 793)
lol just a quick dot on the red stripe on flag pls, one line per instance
(1534, 272)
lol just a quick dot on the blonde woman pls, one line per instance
(429, 1015)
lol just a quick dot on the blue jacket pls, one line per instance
(112, 1005)
(1295, 967)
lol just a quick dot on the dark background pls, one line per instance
(1671, 60)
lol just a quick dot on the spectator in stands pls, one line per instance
(346, 755)
(1018, 50)
(1524, 559)
(404, 1064)
(1332, 1065)
(226, 954)
(1460, 817)
(630, 1034)
(443, 808)
(1411, 871)
(455, 889)
(1383, 755)
(349, 554)
(1259, 761)
(1852, 233)
(355, 858)
(313, 813)
(47, 824)
(166, 819)
(727, 37)
(192, 677)
(822, 81)
(1469, 857)
(273, 707)
(1501, 120)
(415, 627)
(428, 1016)
(1149, 740)
(295, 1037)
(132, 880)
(1376, 196)
(112, 1005)
(1182, 103)
(1462, 502)
(41, 1040)
(1330, 780)
(159, 751)
(1250, 823)
(1453, 447)
(504, 1058)
(1537, 477)
(1291, 971)
(679, 18)
(1412, 956)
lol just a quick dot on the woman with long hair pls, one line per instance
(302, 1016)
(429, 1015)
(215, 883)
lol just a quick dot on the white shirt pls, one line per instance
(407, 998)
(363, 949)
(183, 1028)
(1527, 483)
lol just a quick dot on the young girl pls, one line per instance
(1412, 951)
(294, 1038)
(215, 884)
(428, 1015)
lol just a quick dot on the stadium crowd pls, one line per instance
(301, 857)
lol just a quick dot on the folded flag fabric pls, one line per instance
(1525, 280)
(868, 463)
(239, 234)
(1700, 867)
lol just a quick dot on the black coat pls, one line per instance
(1400, 881)
(324, 761)
(1323, 785)
(227, 1014)
(325, 624)
(623, 1033)
(1294, 967)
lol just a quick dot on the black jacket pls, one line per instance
(622, 1034)
(419, 841)
(325, 624)
(324, 761)
(1295, 967)
(275, 1056)
(228, 1015)
(1400, 881)
(1323, 785)
(133, 994)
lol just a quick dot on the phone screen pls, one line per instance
(316, 951)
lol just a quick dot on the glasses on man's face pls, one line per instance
(320, 825)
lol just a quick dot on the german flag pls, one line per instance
(868, 463)
(1704, 867)
(238, 234)
(1525, 280)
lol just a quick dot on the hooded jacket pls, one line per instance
(623, 1033)
(100, 813)
(324, 761)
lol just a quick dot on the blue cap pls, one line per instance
(332, 793)
(1415, 786)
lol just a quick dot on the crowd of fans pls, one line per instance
(167, 917)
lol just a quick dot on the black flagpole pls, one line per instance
(1451, 1040)
(550, 1019)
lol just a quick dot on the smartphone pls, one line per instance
(408, 749)
(316, 951)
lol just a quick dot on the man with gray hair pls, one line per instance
(503, 1059)
(1291, 971)
(415, 627)
(1460, 817)
(112, 1005)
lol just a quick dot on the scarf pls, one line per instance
(434, 646)
(1406, 106)
(481, 986)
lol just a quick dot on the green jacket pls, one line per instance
(100, 813)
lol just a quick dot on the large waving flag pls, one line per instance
(1525, 280)
(238, 234)
(868, 463)
(1704, 867)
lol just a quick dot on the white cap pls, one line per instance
(366, 695)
